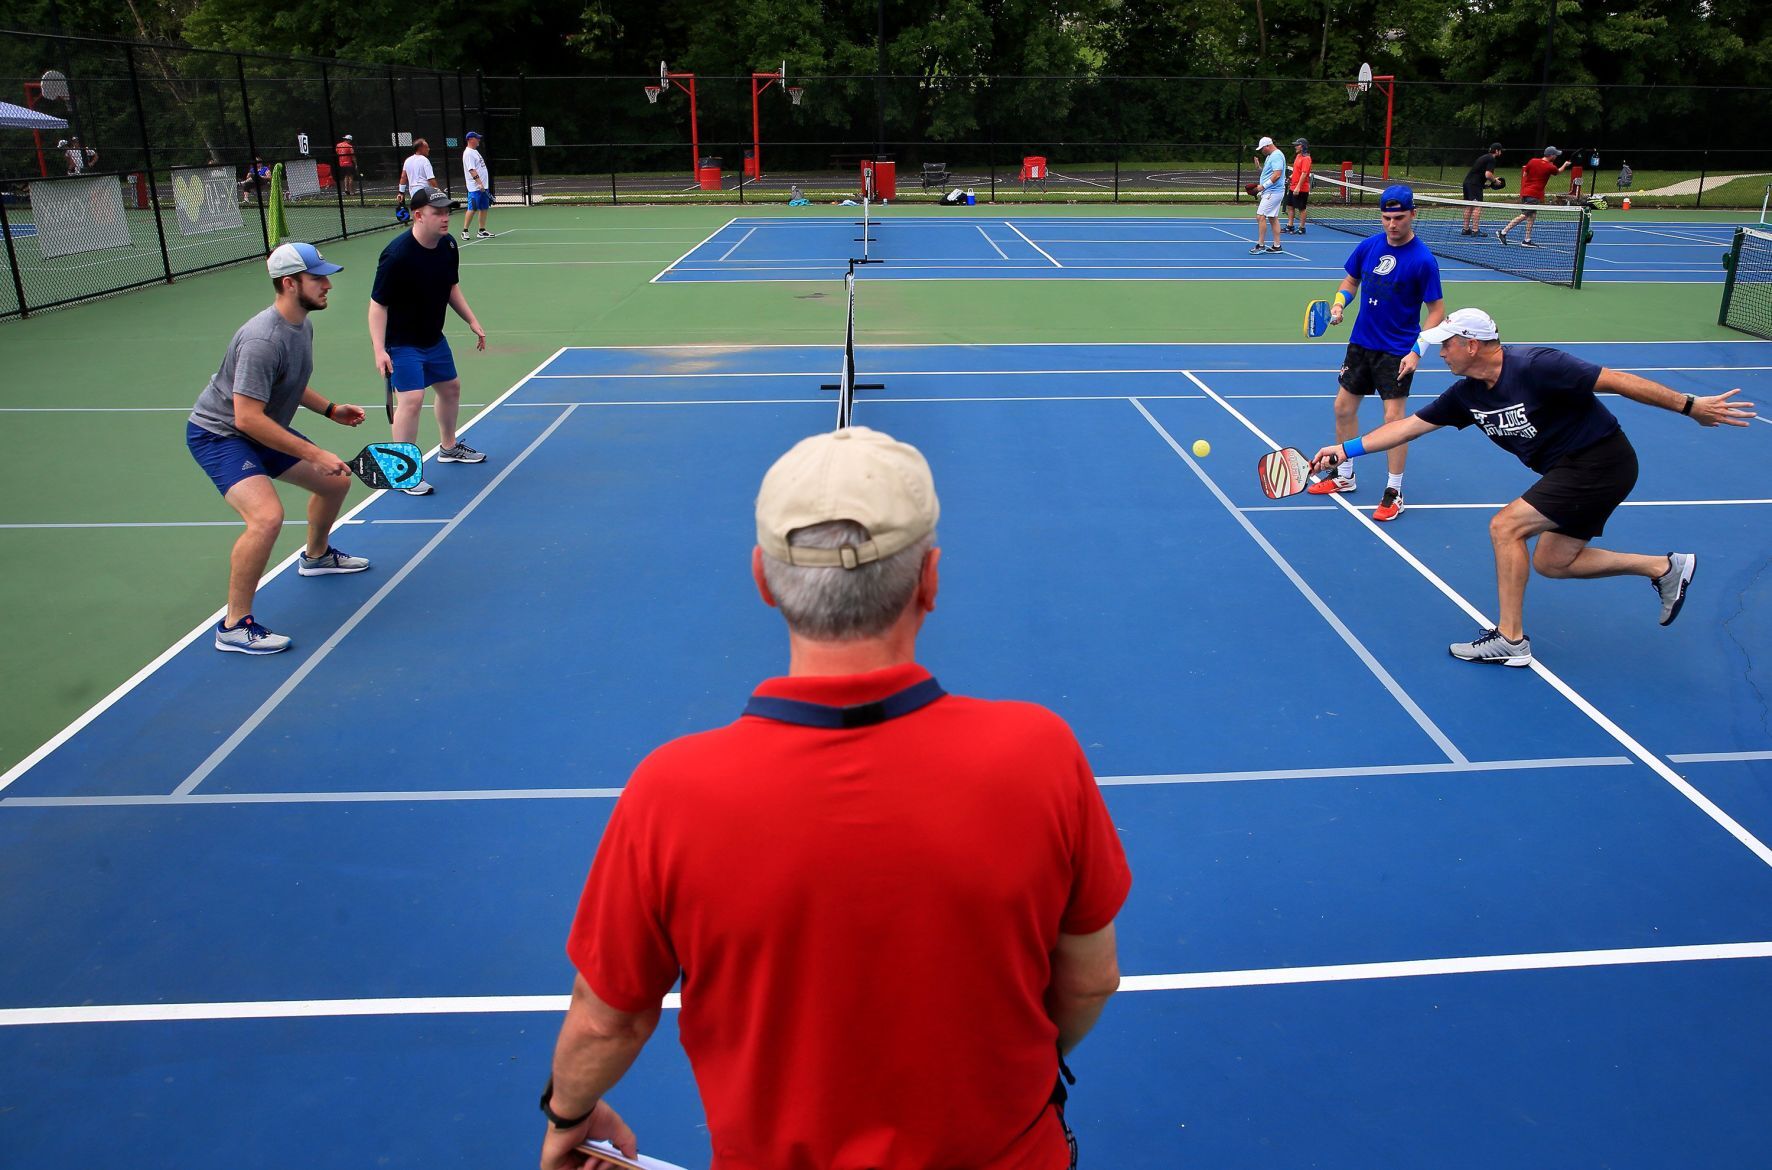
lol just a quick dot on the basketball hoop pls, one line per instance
(795, 92)
(653, 92)
(55, 86)
(1353, 91)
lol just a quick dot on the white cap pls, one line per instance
(1472, 323)
(291, 259)
(62, 143)
(1264, 143)
(856, 474)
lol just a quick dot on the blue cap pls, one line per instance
(292, 259)
(1397, 197)
(472, 134)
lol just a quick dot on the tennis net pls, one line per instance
(846, 378)
(1559, 236)
(1747, 291)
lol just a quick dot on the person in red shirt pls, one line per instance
(1298, 188)
(1533, 176)
(891, 908)
(346, 150)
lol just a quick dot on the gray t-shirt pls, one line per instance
(270, 360)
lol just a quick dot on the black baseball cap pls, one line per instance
(1495, 148)
(426, 197)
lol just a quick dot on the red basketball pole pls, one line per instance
(687, 81)
(33, 95)
(1390, 104)
(768, 79)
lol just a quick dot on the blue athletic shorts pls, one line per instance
(418, 366)
(231, 458)
(479, 200)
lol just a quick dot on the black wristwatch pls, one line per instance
(328, 411)
(1687, 409)
(554, 1119)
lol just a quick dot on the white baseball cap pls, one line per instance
(1472, 323)
(857, 474)
(292, 259)
(1264, 142)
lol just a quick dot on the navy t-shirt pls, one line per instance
(413, 282)
(1394, 282)
(1541, 408)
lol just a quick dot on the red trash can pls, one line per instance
(1347, 176)
(885, 180)
(708, 174)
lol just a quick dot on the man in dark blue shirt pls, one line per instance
(417, 277)
(1538, 404)
(1394, 276)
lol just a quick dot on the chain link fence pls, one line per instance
(153, 162)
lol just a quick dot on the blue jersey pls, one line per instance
(1273, 171)
(1394, 284)
(1541, 408)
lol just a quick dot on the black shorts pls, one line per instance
(1298, 199)
(1365, 370)
(1586, 487)
(1473, 192)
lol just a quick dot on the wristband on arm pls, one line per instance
(1353, 448)
(328, 411)
(1341, 298)
(1687, 409)
(1420, 347)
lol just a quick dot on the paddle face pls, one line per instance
(1284, 473)
(1316, 318)
(389, 465)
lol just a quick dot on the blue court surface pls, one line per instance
(1389, 909)
(963, 244)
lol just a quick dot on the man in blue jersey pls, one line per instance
(1539, 405)
(1271, 189)
(1395, 277)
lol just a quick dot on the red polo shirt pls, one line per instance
(863, 918)
(1534, 175)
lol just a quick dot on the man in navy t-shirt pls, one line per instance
(417, 277)
(1539, 404)
(1394, 275)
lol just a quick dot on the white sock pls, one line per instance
(1345, 469)
(1395, 480)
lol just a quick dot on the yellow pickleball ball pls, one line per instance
(1202, 448)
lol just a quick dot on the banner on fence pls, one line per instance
(206, 199)
(301, 178)
(79, 215)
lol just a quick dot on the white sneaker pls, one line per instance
(423, 489)
(1490, 646)
(1671, 586)
(329, 562)
(248, 638)
(460, 453)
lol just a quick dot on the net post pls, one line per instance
(18, 284)
(1731, 262)
(1581, 232)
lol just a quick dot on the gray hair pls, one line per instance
(834, 604)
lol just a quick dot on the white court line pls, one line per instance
(498, 236)
(1719, 757)
(740, 243)
(991, 242)
(265, 709)
(698, 244)
(155, 799)
(1030, 244)
(1670, 235)
(1372, 664)
(1679, 783)
(140, 676)
(201, 524)
(293, 1009)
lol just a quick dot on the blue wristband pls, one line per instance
(1353, 448)
(1420, 347)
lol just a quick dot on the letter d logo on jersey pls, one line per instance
(1384, 266)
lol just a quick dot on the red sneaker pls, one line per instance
(1332, 485)
(1390, 507)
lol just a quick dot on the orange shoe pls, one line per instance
(1332, 485)
(1390, 507)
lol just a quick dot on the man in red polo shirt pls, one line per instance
(1533, 176)
(891, 908)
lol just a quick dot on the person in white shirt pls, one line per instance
(416, 171)
(473, 166)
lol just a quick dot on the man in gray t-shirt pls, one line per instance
(239, 432)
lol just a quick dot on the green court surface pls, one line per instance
(116, 545)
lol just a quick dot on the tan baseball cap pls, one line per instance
(856, 474)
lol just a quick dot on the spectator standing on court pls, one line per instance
(346, 150)
(1298, 188)
(239, 432)
(1478, 180)
(1271, 189)
(1625, 176)
(1395, 277)
(892, 908)
(1539, 405)
(417, 277)
(1533, 176)
(416, 171)
(479, 180)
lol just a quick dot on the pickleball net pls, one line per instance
(846, 385)
(1747, 290)
(1560, 236)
